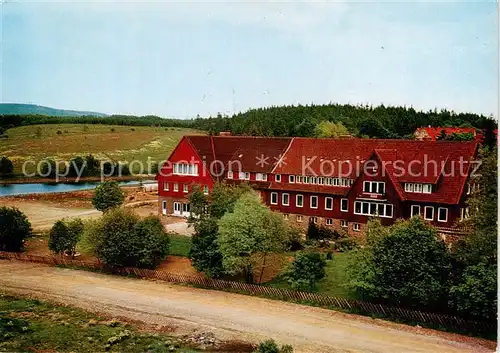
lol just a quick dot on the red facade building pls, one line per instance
(339, 183)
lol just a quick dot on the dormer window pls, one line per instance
(230, 174)
(261, 177)
(244, 176)
(418, 188)
(278, 178)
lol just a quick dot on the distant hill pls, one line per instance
(32, 109)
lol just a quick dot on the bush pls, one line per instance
(270, 346)
(59, 132)
(346, 244)
(14, 229)
(64, 236)
(120, 239)
(108, 195)
(304, 272)
(6, 166)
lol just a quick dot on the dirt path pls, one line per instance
(229, 316)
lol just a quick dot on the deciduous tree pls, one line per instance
(14, 229)
(108, 195)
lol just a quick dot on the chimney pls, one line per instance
(225, 133)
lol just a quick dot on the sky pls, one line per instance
(183, 59)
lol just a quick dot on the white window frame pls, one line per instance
(464, 213)
(374, 205)
(165, 186)
(427, 188)
(291, 179)
(314, 219)
(425, 213)
(329, 221)
(356, 227)
(176, 187)
(271, 199)
(185, 169)
(244, 176)
(205, 189)
(300, 218)
(277, 178)
(285, 216)
(374, 187)
(297, 200)
(344, 209)
(344, 223)
(412, 214)
(311, 202)
(446, 218)
(229, 174)
(261, 176)
(185, 188)
(283, 199)
(331, 203)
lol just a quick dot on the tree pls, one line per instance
(306, 270)
(107, 195)
(330, 129)
(270, 346)
(120, 239)
(64, 235)
(91, 165)
(77, 167)
(408, 267)
(14, 229)
(6, 166)
(251, 229)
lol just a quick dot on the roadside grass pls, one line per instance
(34, 326)
(122, 143)
(333, 284)
(179, 244)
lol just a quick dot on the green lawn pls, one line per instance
(179, 245)
(334, 281)
(33, 326)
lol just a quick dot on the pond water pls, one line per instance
(41, 188)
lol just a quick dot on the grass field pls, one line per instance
(121, 143)
(179, 245)
(333, 283)
(33, 326)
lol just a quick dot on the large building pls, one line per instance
(338, 183)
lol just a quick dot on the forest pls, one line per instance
(300, 120)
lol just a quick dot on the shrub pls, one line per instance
(107, 195)
(14, 229)
(6, 166)
(59, 132)
(112, 129)
(64, 236)
(304, 272)
(270, 346)
(77, 167)
(121, 240)
(346, 244)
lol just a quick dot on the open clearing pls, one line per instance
(122, 143)
(228, 315)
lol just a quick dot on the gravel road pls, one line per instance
(229, 316)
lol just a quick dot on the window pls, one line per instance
(285, 199)
(442, 214)
(464, 213)
(230, 174)
(344, 223)
(299, 200)
(291, 179)
(328, 203)
(344, 205)
(429, 213)
(205, 189)
(274, 198)
(185, 188)
(176, 187)
(285, 217)
(278, 178)
(418, 188)
(415, 210)
(244, 176)
(356, 227)
(261, 176)
(299, 218)
(329, 221)
(314, 201)
(374, 187)
(367, 208)
(313, 219)
(165, 186)
(185, 169)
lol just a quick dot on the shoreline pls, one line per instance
(34, 180)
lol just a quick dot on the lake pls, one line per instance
(42, 188)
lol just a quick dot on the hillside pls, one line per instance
(32, 109)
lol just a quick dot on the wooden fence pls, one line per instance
(362, 307)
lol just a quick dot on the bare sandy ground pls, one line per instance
(229, 316)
